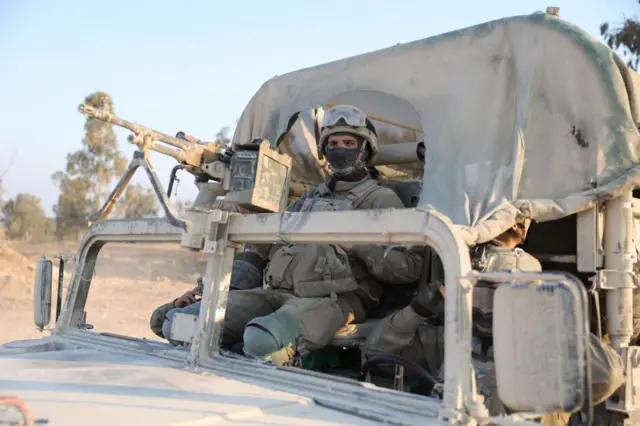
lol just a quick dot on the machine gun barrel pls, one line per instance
(146, 137)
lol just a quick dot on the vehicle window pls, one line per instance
(132, 280)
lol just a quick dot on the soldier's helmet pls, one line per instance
(348, 119)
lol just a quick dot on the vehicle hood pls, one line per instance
(67, 384)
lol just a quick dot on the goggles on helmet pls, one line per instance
(345, 115)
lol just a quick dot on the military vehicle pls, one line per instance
(527, 114)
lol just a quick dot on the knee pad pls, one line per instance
(166, 324)
(193, 309)
(272, 337)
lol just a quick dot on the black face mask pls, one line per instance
(344, 161)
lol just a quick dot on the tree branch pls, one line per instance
(12, 159)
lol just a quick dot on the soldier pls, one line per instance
(313, 290)
(246, 274)
(417, 331)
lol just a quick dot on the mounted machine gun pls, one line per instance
(253, 176)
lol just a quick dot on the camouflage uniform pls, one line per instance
(245, 274)
(420, 338)
(276, 321)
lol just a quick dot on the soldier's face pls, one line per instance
(522, 229)
(342, 141)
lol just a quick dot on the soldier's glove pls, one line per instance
(187, 299)
(429, 303)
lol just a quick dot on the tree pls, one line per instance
(139, 202)
(2, 232)
(24, 217)
(1, 193)
(3, 172)
(625, 35)
(222, 137)
(88, 172)
(73, 207)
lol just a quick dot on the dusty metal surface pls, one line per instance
(71, 383)
(403, 226)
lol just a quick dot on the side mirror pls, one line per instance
(541, 338)
(42, 293)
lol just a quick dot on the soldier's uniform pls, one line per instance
(301, 313)
(421, 338)
(246, 274)
(312, 290)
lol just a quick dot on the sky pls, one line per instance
(194, 65)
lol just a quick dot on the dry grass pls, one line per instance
(129, 283)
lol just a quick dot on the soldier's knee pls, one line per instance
(245, 275)
(259, 341)
(193, 309)
(272, 337)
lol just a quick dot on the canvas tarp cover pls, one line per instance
(526, 114)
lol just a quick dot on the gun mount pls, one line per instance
(254, 176)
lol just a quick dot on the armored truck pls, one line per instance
(526, 115)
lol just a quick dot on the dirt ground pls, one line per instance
(130, 281)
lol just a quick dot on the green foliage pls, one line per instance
(24, 218)
(85, 181)
(2, 232)
(625, 36)
(2, 201)
(73, 207)
(222, 137)
(3, 172)
(89, 172)
(139, 201)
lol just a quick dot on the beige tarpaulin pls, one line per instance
(526, 113)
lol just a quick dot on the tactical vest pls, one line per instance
(318, 270)
(323, 201)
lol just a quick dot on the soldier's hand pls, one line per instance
(189, 298)
(429, 300)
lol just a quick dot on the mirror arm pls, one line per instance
(62, 258)
(60, 280)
